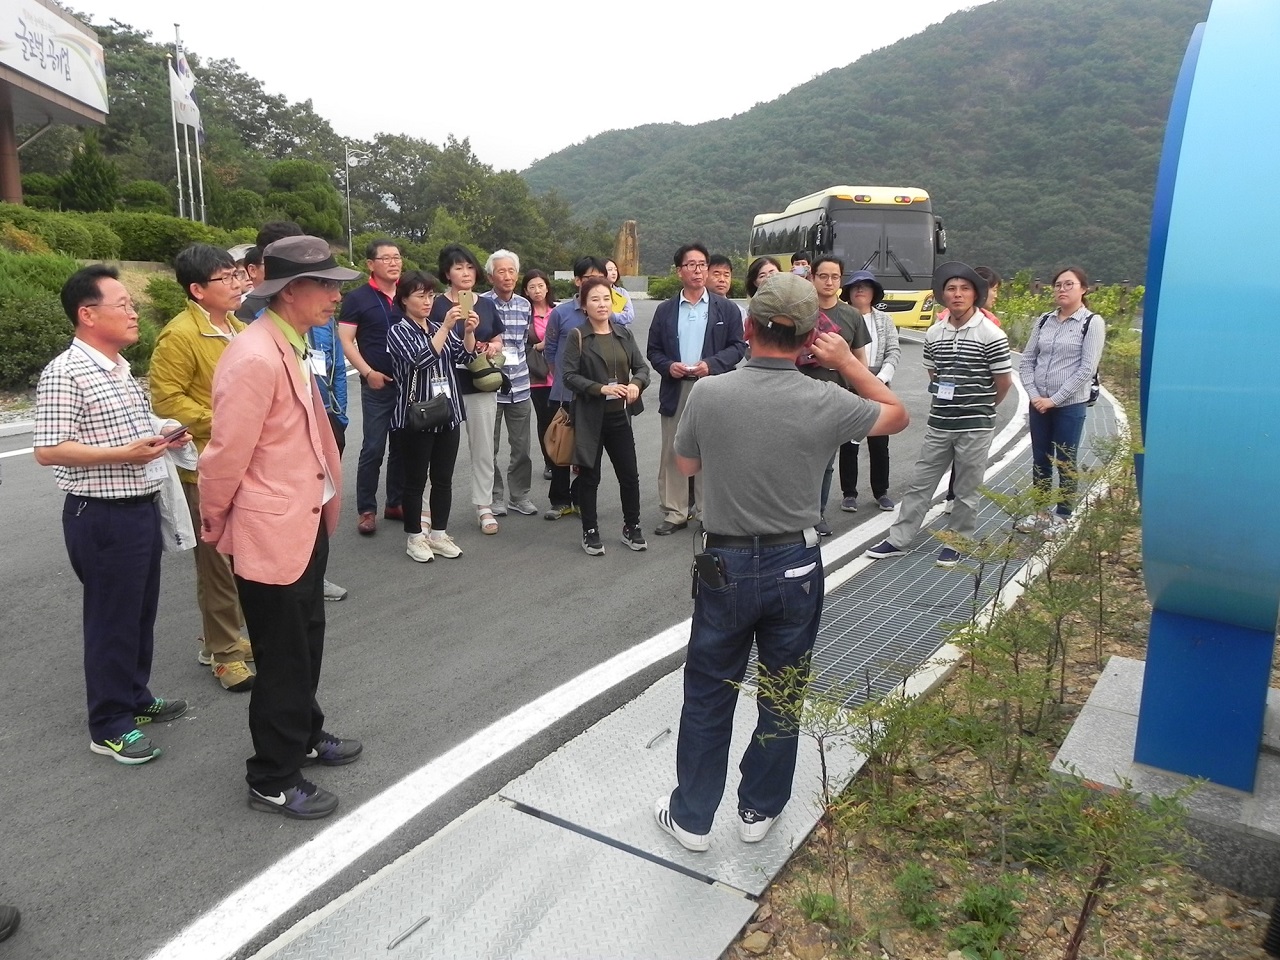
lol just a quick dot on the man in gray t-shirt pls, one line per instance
(761, 436)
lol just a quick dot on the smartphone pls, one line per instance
(708, 569)
(173, 436)
(467, 303)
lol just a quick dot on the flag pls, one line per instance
(184, 105)
(185, 76)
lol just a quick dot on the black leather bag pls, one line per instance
(426, 414)
(535, 358)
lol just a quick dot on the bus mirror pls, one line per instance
(823, 239)
(940, 238)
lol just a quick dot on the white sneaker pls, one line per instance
(442, 545)
(418, 548)
(752, 826)
(948, 506)
(499, 510)
(525, 506)
(697, 842)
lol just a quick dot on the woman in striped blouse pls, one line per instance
(424, 356)
(1058, 364)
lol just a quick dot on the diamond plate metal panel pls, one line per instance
(607, 779)
(499, 883)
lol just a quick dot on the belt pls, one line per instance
(768, 540)
(122, 501)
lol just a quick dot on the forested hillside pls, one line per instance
(1036, 126)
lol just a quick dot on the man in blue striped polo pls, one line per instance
(967, 358)
(516, 406)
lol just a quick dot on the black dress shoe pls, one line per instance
(666, 527)
(9, 920)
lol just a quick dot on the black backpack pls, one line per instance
(1095, 388)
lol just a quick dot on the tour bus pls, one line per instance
(890, 231)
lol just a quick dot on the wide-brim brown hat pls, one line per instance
(292, 257)
(955, 270)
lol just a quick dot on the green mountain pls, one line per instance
(1036, 127)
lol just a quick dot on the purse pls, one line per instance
(559, 438)
(486, 373)
(423, 415)
(539, 369)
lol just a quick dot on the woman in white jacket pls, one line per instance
(861, 290)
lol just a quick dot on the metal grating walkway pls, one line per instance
(566, 860)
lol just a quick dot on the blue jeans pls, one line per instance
(781, 613)
(1055, 441)
(376, 407)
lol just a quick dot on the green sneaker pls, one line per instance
(161, 711)
(131, 748)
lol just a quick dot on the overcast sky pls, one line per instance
(525, 84)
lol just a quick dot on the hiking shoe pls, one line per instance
(132, 748)
(525, 506)
(823, 528)
(234, 676)
(330, 751)
(697, 842)
(334, 592)
(442, 545)
(418, 548)
(554, 512)
(884, 503)
(160, 711)
(1033, 523)
(498, 509)
(884, 551)
(242, 649)
(305, 801)
(947, 557)
(633, 537)
(849, 504)
(752, 826)
(591, 542)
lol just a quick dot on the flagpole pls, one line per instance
(191, 193)
(177, 157)
(200, 175)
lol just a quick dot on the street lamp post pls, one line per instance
(351, 157)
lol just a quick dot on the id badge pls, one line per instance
(510, 357)
(155, 469)
(440, 385)
(946, 390)
(316, 362)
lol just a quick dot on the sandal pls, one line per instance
(488, 525)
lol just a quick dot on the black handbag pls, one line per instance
(536, 359)
(426, 414)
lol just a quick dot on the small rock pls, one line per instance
(1220, 906)
(763, 912)
(886, 940)
(756, 943)
(1198, 915)
(809, 944)
(1151, 885)
(925, 772)
(955, 955)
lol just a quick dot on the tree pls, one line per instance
(303, 191)
(92, 183)
(146, 196)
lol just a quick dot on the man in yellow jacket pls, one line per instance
(181, 378)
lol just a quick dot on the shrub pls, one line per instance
(153, 236)
(167, 299)
(20, 241)
(106, 242)
(45, 272)
(139, 355)
(661, 288)
(39, 185)
(33, 329)
(146, 196)
(66, 233)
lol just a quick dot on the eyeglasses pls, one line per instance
(241, 274)
(1064, 285)
(694, 265)
(396, 259)
(225, 278)
(125, 305)
(827, 276)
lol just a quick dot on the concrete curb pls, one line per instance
(17, 428)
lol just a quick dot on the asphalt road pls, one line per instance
(108, 861)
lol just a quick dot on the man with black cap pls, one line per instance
(761, 436)
(967, 358)
(270, 489)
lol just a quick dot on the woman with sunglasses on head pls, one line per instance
(537, 290)
(1057, 369)
(606, 371)
(425, 354)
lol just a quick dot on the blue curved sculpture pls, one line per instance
(1211, 405)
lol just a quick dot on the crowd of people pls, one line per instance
(235, 452)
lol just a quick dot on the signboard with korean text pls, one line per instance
(38, 43)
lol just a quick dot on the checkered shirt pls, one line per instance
(80, 399)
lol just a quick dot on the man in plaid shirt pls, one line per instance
(94, 426)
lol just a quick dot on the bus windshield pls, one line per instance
(896, 245)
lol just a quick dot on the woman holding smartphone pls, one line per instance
(424, 355)
(606, 371)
